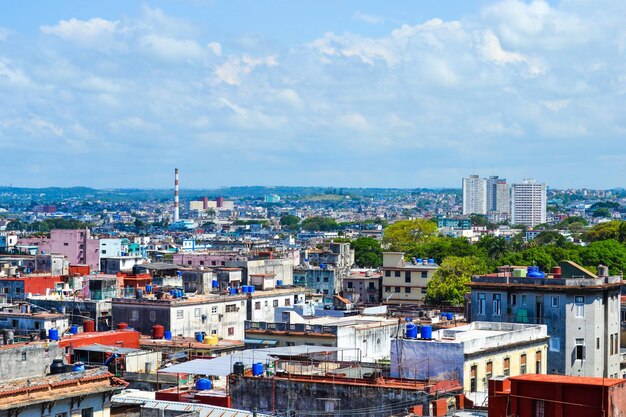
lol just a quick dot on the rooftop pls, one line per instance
(569, 380)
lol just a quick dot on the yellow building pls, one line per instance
(473, 354)
(404, 282)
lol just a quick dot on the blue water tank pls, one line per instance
(322, 266)
(173, 293)
(199, 337)
(148, 289)
(251, 288)
(139, 293)
(203, 384)
(450, 316)
(245, 289)
(431, 261)
(533, 272)
(74, 329)
(427, 332)
(257, 369)
(279, 282)
(53, 334)
(411, 330)
(78, 366)
(215, 284)
(419, 260)
(181, 293)
(167, 335)
(233, 291)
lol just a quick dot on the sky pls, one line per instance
(353, 93)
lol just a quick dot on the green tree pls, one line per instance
(368, 252)
(606, 252)
(495, 246)
(603, 231)
(289, 221)
(550, 237)
(321, 224)
(603, 212)
(450, 282)
(405, 234)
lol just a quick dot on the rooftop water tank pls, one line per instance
(427, 332)
(411, 330)
(203, 384)
(257, 369)
(57, 367)
(239, 368)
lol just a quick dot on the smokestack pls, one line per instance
(176, 202)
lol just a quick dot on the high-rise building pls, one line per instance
(498, 199)
(528, 203)
(474, 195)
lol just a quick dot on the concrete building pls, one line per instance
(21, 288)
(474, 195)
(111, 248)
(215, 315)
(321, 280)
(528, 203)
(365, 338)
(473, 354)
(556, 395)
(86, 394)
(498, 199)
(24, 323)
(362, 286)
(580, 308)
(115, 264)
(27, 360)
(262, 305)
(405, 282)
(77, 245)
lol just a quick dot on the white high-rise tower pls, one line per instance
(528, 203)
(176, 202)
(474, 195)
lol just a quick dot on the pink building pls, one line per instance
(77, 245)
(206, 259)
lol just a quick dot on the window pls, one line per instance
(104, 251)
(481, 303)
(524, 301)
(555, 301)
(540, 408)
(397, 273)
(538, 362)
(497, 304)
(349, 284)
(407, 290)
(522, 364)
(287, 301)
(326, 278)
(231, 308)
(473, 378)
(506, 367)
(424, 291)
(231, 331)
(387, 273)
(213, 263)
(87, 412)
(424, 274)
(513, 300)
(214, 309)
(397, 289)
(579, 300)
(387, 289)
(65, 244)
(371, 286)
(196, 312)
(267, 303)
(579, 350)
(275, 303)
(180, 314)
(489, 370)
(23, 356)
(407, 276)
(201, 262)
(611, 346)
(257, 305)
(188, 262)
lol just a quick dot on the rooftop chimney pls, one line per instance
(176, 202)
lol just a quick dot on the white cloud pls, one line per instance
(12, 76)
(231, 71)
(171, 49)
(215, 48)
(97, 33)
(368, 18)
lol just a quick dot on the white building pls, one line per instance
(474, 195)
(528, 203)
(498, 198)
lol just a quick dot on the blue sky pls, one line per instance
(344, 93)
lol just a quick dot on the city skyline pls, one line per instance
(357, 94)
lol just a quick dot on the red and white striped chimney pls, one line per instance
(176, 202)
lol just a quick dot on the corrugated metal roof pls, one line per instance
(202, 409)
(223, 365)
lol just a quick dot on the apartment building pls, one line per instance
(528, 203)
(404, 282)
(580, 308)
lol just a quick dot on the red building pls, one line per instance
(556, 396)
(118, 338)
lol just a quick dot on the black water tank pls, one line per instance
(57, 367)
(43, 334)
(239, 368)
